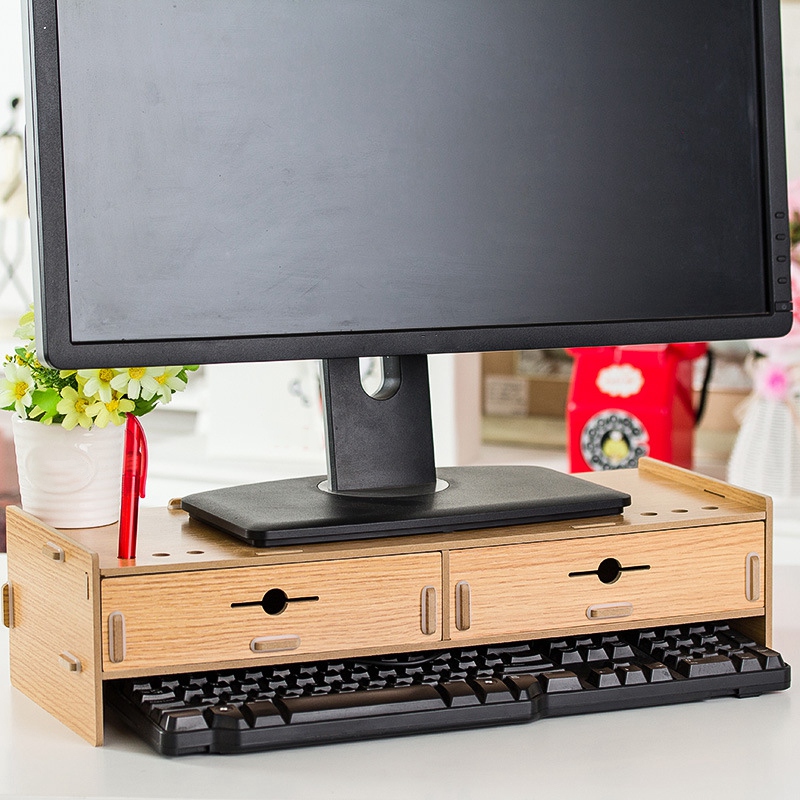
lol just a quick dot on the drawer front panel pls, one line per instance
(274, 612)
(618, 580)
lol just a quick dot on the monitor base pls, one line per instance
(298, 511)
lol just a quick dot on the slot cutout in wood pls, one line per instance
(274, 602)
(609, 570)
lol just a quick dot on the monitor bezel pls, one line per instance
(51, 267)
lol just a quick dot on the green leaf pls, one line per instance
(47, 400)
(141, 407)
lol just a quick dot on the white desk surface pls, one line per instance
(726, 748)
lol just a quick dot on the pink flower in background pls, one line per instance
(794, 223)
(796, 290)
(772, 380)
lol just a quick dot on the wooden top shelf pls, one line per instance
(663, 496)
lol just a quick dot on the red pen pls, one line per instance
(134, 475)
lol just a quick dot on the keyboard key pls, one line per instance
(153, 695)
(656, 672)
(560, 681)
(225, 718)
(631, 675)
(400, 700)
(739, 638)
(705, 666)
(593, 652)
(745, 661)
(182, 720)
(618, 650)
(603, 677)
(524, 687)
(567, 655)
(458, 694)
(528, 662)
(769, 659)
(143, 685)
(189, 693)
(491, 690)
(262, 714)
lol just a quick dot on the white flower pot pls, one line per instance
(69, 479)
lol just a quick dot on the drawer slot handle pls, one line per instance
(609, 610)
(116, 637)
(428, 609)
(274, 602)
(274, 644)
(53, 551)
(8, 605)
(463, 606)
(752, 577)
(609, 570)
(70, 662)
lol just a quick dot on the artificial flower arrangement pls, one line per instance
(84, 397)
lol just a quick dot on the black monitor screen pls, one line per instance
(352, 177)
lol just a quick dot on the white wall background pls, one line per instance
(790, 16)
(10, 53)
(13, 234)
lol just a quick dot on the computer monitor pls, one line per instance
(249, 180)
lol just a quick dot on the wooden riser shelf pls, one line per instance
(688, 549)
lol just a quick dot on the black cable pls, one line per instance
(701, 405)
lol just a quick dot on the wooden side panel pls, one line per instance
(215, 615)
(534, 589)
(54, 644)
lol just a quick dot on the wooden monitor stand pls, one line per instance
(688, 549)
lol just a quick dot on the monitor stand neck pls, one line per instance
(379, 444)
(382, 480)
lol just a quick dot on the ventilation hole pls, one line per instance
(710, 508)
(274, 601)
(680, 510)
(609, 570)
(194, 552)
(161, 555)
(649, 513)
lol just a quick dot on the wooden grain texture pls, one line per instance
(56, 608)
(663, 497)
(187, 618)
(526, 589)
(652, 468)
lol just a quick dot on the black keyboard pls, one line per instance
(261, 708)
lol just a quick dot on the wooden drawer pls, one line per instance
(216, 615)
(533, 589)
